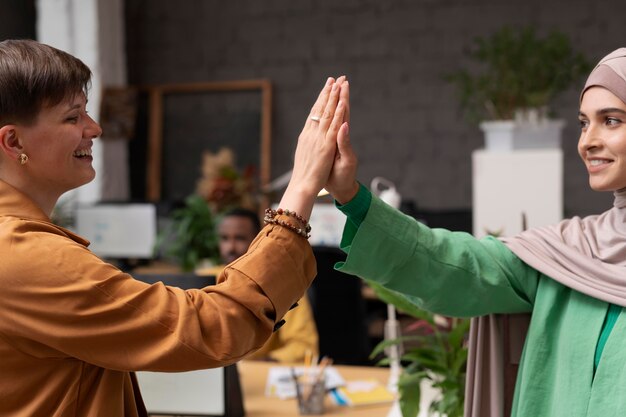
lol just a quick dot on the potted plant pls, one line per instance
(516, 77)
(191, 238)
(437, 355)
(222, 185)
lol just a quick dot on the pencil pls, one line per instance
(324, 363)
(295, 381)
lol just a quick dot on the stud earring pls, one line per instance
(23, 158)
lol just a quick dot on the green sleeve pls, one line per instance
(355, 211)
(450, 273)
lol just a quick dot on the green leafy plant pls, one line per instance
(438, 354)
(517, 70)
(191, 237)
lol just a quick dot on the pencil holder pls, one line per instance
(311, 391)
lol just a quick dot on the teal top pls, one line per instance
(455, 274)
(612, 314)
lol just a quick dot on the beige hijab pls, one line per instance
(586, 254)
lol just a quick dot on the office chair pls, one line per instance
(339, 311)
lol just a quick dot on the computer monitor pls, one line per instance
(326, 225)
(185, 393)
(118, 231)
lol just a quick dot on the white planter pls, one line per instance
(509, 135)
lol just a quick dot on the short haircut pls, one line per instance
(249, 214)
(34, 75)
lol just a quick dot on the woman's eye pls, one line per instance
(612, 121)
(583, 124)
(72, 119)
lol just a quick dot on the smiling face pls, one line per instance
(58, 145)
(602, 143)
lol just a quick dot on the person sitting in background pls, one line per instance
(236, 230)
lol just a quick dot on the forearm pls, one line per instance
(298, 199)
(225, 322)
(449, 272)
(355, 210)
(108, 319)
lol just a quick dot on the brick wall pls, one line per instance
(406, 124)
(17, 19)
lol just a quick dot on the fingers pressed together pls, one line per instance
(317, 145)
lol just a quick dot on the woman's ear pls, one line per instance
(10, 144)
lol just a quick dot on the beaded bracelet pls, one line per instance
(270, 218)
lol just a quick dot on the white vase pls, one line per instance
(509, 135)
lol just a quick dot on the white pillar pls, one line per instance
(114, 175)
(91, 30)
(510, 185)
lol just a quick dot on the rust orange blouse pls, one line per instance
(73, 328)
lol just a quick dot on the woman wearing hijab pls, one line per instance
(72, 327)
(571, 276)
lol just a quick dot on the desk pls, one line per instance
(253, 376)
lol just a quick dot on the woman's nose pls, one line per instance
(93, 129)
(590, 138)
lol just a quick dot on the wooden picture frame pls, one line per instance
(157, 94)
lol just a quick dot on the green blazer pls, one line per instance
(455, 274)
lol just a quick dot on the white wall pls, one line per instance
(92, 30)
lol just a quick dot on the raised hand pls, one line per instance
(315, 152)
(342, 184)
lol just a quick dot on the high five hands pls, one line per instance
(324, 157)
(342, 184)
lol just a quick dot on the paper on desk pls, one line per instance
(280, 381)
(363, 392)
